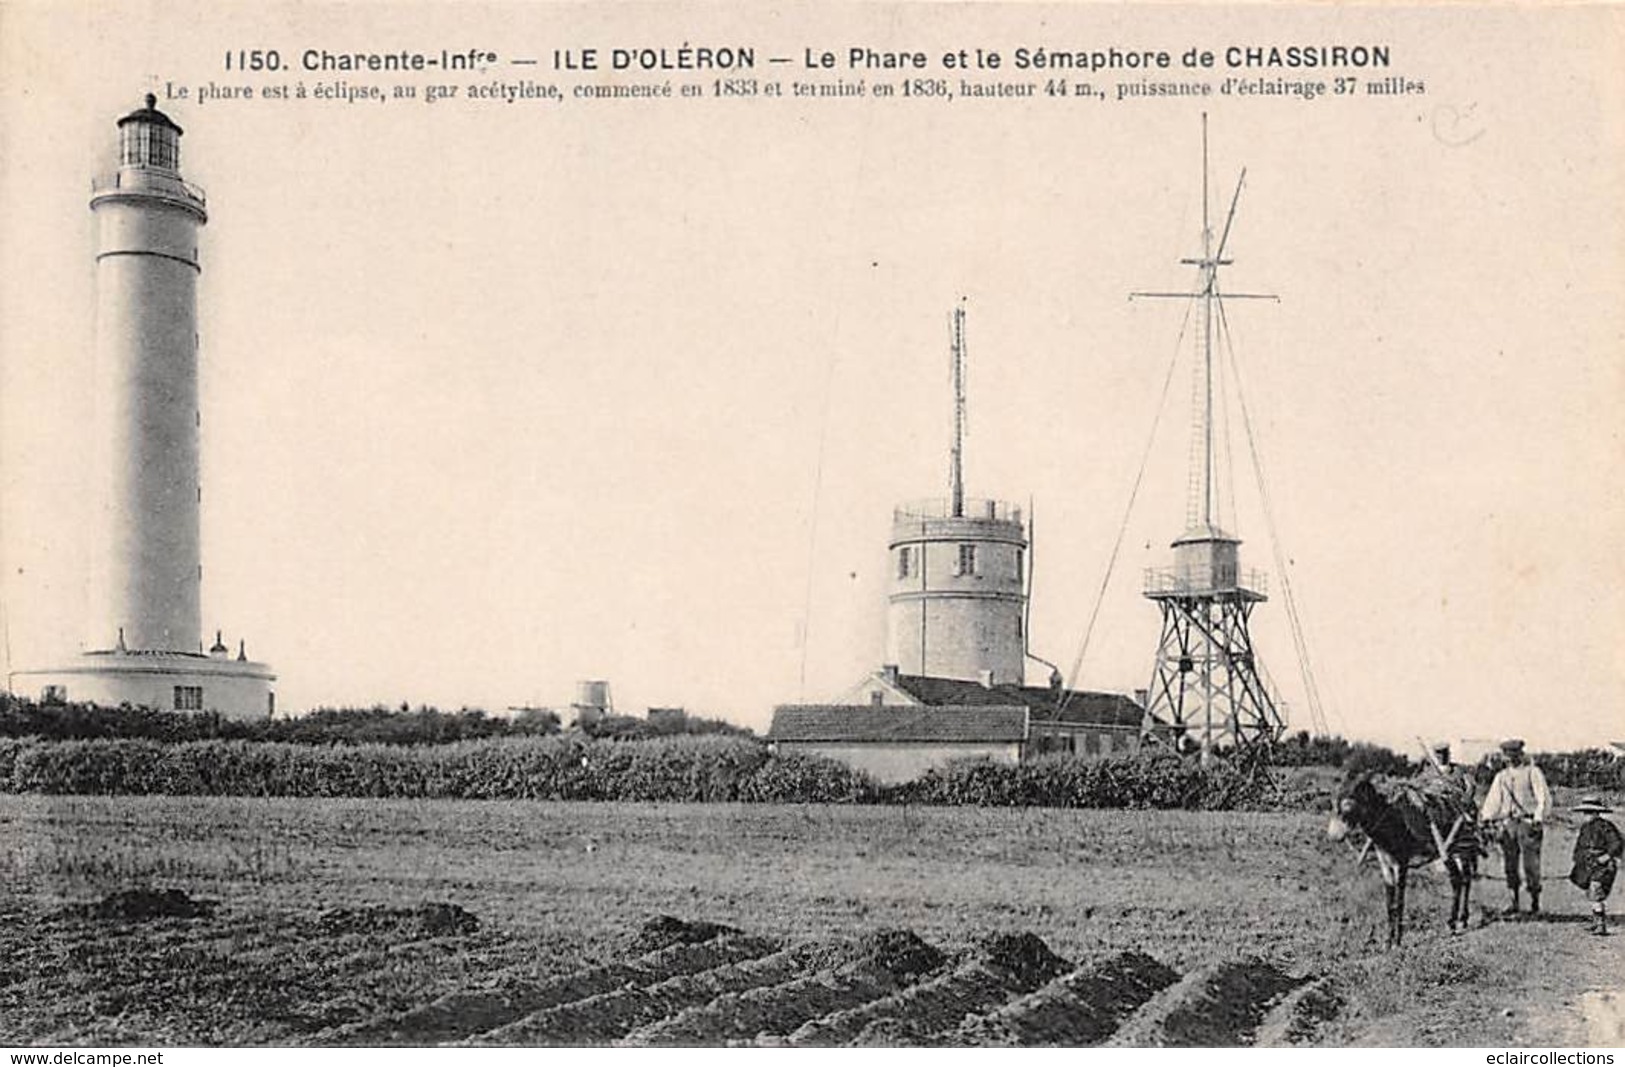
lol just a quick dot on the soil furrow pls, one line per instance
(1001, 968)
(608, 1017)
(456, 1016)
(1220, 1004)
(1298, 1018)
(1081, 1008)
(887, 963)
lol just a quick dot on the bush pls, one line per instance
(377, 725)
(68, 722)
(795, 778)
(1591, 768)
(1302, 750)
(555, 767)
(632, 728)
(1364, 758)
(328, 726)
(323, 726)
(10, 748)
(1147, 780)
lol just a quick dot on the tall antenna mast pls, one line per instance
(1207, 290)
(956, 469)
(1210, 267)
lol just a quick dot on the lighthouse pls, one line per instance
(143, 643)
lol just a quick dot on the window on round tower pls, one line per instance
(965, 561)
(905, 562)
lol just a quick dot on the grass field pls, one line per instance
(318, 936)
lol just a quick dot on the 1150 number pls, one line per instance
(256, 59)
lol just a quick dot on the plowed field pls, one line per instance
(186, 921)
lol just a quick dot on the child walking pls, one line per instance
(1596, 859)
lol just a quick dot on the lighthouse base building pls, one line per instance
(232, 686)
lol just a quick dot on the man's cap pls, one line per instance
(1512, 744)
(1592, 803)
(1441, 746)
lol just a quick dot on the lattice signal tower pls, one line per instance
(1206, 689)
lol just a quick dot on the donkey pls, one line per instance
(1404, 835)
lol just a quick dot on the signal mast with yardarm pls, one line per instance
(1208, 689)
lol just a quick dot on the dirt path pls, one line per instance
(1544, 983)
(1589, 1007)
(1604, 1014)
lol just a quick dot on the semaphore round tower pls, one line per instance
(957, 594)
(957, 597)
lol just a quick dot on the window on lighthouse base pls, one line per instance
(188, 698)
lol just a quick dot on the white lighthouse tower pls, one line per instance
(957, 594)
(144, 646)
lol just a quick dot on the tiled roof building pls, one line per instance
(847, 723)
(896, 726)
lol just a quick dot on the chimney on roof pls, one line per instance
(890, 673)
(1056, 682)
(1142, 697)
(986, 678)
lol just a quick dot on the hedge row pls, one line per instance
(1591, 768)
(323, 726)
(1149, 780)
(551, 768)
(573, 768)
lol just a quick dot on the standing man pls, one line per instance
(1439, 765)
(1518, 800)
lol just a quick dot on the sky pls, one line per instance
(499, 397)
